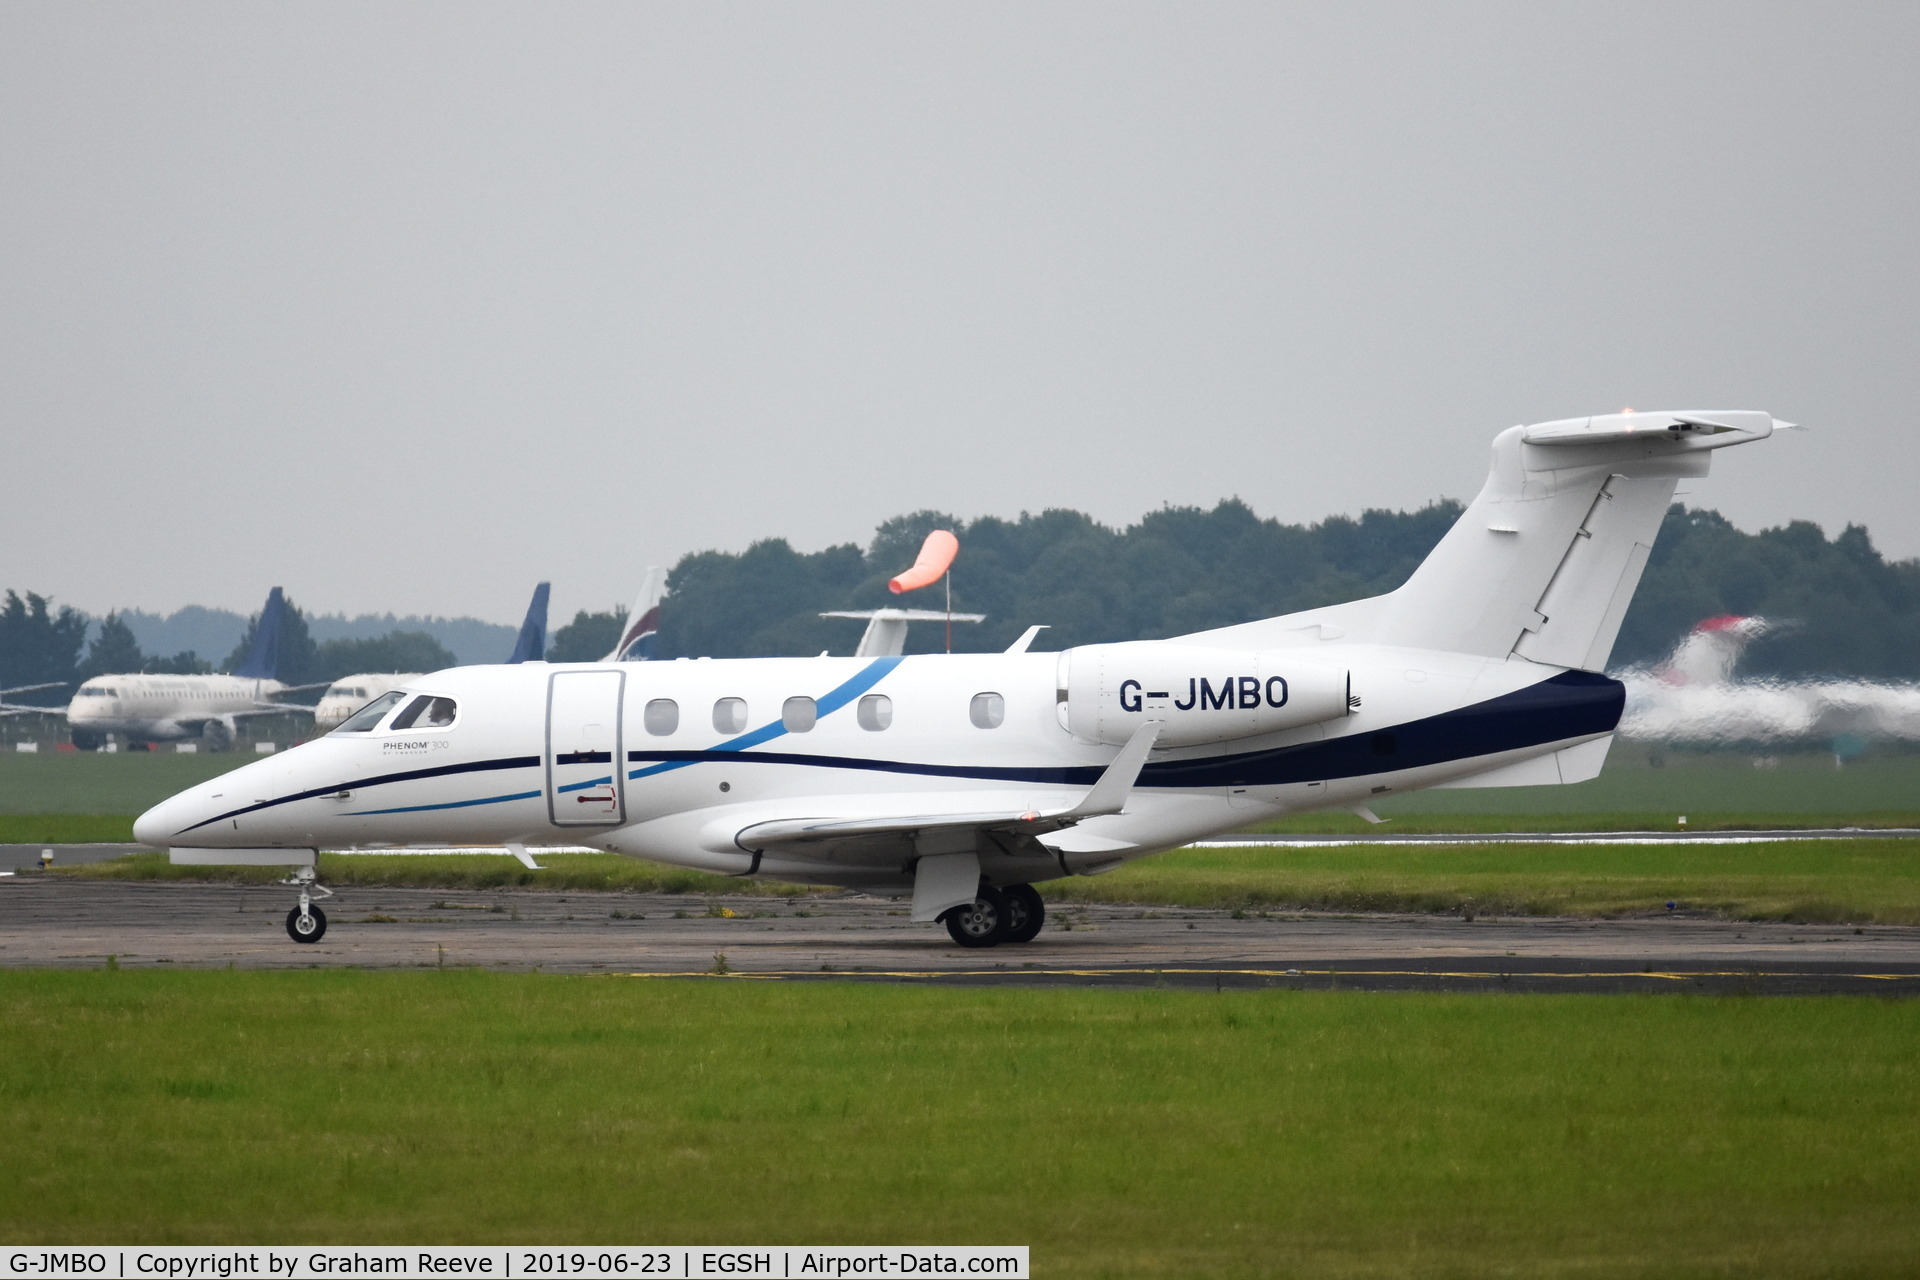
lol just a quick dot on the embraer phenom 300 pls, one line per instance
(962, 780)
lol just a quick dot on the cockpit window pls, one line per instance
(368, 716)
(425, 712)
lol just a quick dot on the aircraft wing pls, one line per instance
(804, 836)
(16, 709)
(275, 709)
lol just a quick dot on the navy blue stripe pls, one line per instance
(411, 775)
(1573, 704)
(1072, 775)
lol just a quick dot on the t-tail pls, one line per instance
(643, 624)
(531, 646)
(263, 655)
(1544, 562)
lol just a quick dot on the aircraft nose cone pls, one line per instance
(159, 825)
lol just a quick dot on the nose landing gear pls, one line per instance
(307, 922)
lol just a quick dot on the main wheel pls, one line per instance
(310, 927)
(977, 923)
(1024, 915)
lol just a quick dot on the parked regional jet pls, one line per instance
(350, 693)
(962, 780)
(161, 708)
(1693, 697)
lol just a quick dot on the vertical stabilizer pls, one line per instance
(263, 655)
(532, 643)
(1545, 561)
(643, 624)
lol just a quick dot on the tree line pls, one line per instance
(1185, 569)
(40, 643)
(1177, 570)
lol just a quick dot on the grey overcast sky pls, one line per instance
(405, 307)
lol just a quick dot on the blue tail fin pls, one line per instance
(532, 644)
(263, 656)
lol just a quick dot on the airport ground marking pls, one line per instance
(1660, 974)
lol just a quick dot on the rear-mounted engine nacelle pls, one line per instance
(1107, 691)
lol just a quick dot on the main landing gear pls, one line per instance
(307, 922)
(1013, 914)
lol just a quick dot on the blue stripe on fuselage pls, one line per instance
(451, 804)
(828, 703)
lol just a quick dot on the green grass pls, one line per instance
(569, 871)
(65, 828)
(1856, 881)
(1802, 790)
(1117, 1133)
(103, 783)
(1412, 822)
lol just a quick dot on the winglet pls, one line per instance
(1027, 637)
(531, 646)
(1109, 794)
(526, 859)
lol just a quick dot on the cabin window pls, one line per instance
(875, 712)
(730, 715)
(369, 715)
(425, 712)
(798, 714)
(988, 711)
(662, 717)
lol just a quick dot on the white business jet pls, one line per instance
(962, 780)
(350, 693)
(176, 708)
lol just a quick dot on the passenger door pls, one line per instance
(585, 778)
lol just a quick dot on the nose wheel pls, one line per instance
(307, 922)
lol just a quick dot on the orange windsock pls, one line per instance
(936, 556)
